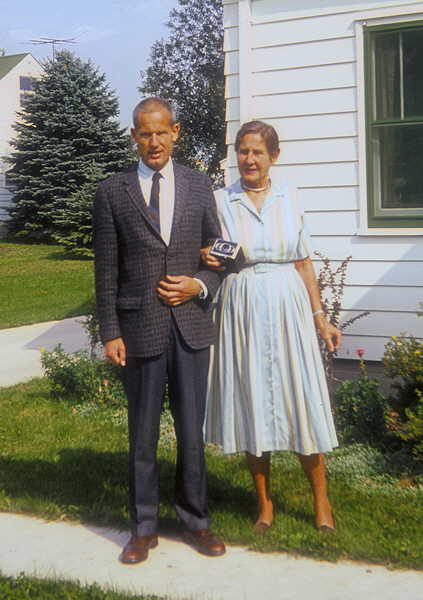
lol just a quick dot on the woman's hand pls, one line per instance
(211, 261)
(330, 334)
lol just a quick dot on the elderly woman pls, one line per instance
(267, 387)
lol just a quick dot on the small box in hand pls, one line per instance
(229, 253)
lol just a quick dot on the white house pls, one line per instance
(16, 74)
(343, 85)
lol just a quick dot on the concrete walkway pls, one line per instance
(20, 347)
(89, 554)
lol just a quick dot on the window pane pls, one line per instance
(413, 72)
(401, 173)
(387, 76)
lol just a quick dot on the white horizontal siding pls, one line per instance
(305, 103)
(303, 55)
(306, 126)
(232, 110)
(230, 39)
(305, 30)
(382, 298)
(230, 14)
(373, 324)
(293, 80)
(333, 198)
(338, 247)
(343, 223)
(271, 10)
(232, 86)
(231, 62)
(381, 273)
(303, 82)
(330, 174)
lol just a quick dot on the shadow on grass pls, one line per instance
(91, 486)
(85, 308)
(23, 241)
(63, 255)
(77, 483)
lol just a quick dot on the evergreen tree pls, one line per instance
(187, 70)
(73, 221)
(67, 139)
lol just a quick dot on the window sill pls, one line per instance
(397, 231)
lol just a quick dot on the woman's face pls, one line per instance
(254, 160)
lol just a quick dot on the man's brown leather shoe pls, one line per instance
(205, 542)
(136, 550)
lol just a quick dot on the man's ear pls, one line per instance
(176, 129)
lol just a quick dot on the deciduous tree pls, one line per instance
(187, 69)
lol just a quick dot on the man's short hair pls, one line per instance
(153, 104)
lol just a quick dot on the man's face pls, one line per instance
(155, 135)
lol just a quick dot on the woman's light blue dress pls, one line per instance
(267, 387)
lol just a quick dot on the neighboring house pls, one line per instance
(16, 75)
(343, 86)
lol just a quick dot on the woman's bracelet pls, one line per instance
(319, 312)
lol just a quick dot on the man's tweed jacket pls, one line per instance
(131, 258)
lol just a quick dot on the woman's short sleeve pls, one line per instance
(220, 196)
(304, 247)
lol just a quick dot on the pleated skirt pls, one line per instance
(267, 387)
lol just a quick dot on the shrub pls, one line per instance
(409, 429)
(92, 329)
(403, 360)
(83, 379)
(360, 411)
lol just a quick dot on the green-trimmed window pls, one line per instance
(394, 124)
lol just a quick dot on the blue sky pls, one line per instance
(115, 34)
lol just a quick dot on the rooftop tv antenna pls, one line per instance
(54, 42)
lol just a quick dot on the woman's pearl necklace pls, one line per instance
(262, 189)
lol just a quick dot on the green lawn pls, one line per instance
(31, 588)
(38, 283)
(62, 461)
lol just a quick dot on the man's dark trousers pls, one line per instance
(185, 370)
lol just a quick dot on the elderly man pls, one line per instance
(153, 300)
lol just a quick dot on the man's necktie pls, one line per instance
(154, 206)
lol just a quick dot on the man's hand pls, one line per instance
(177, 289)
(115, 351)
(211, 261)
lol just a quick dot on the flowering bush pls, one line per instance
(403, 360)
(360, 411)
(81, 378)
